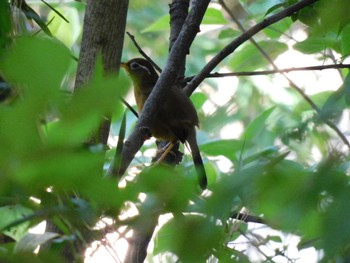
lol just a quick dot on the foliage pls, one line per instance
(265, 148)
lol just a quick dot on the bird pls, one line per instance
(177, 118)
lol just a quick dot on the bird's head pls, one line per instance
(142, 73)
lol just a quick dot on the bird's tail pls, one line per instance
(197, 159)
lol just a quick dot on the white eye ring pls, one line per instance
(135, 66)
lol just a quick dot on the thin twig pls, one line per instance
(274, 71)
(129, 107)
(247, 218)
(132, 37)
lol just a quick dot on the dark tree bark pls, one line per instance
(103, 34)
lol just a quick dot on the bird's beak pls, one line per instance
(123, 64)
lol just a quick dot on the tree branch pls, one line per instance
(275, 71)
(178, 13)
(230, 48)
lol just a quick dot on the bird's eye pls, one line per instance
(135, 66)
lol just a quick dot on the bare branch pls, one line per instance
(178, 13)
(275, 71)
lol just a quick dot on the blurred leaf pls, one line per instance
(161, 24)
(248, 58)
(9, 214)
(66, 31)
(227, 148)
(257, 125)
(5, 24)
(319, 99)
(261, 8)
(192, 238)
(164, 183)
(55, 10)
(198, 99)
(273, 8)
(31, 14)
(116, 159)
(335, 226)
(31, 241)
(335, 103)
(328, 10)
(347, 89)
(316, 44)
(277, 30)
(345, 40)
(265, 153)
(213, 16)
(228, 33)
(28, 63)
(277, 239)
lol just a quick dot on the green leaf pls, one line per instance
(228, 33)
(265, 153)
(55, 10)
(67, 31)
(162, 183)
(248, 58)
(257, 125)
(193, 238)
(198, 99)
(227, 148)
(262, 7)
(213, 16)
(273, 8)
(31, 241)
(11, 213)
(311, 45)
(335, 103)
(277, 239)
(31, 14)
(347, 89)
(5, 24)
(278, 29)
(319, 99)
(29, 60)
(345, 40)
(116, 160)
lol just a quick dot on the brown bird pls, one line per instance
(177, 118)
